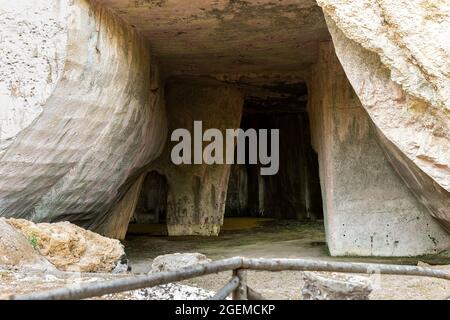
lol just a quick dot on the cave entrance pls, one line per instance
(151, 207)
(294, 192)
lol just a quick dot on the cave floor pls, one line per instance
(275, 239)
(239, 237)
(246, 237)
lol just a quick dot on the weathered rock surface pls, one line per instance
(196, 192)
(172, 291)
(294, 191)
(32, 55)
(229, 39)
(82, 117)
(395, 55)
(101, 122)
(335, 286)
(71, 248)
(152, 203)
(116, 225)
(17, 251)
(410, 37)
(174, 261)
(368, 209)
(237, 194)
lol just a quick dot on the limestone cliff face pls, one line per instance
(396, 55)
(90, 130)
(368, 209)
(82, 115)
(32, 54)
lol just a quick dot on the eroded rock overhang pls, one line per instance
(99, 117)
(76, 148)
(228, 38)
(395, 54)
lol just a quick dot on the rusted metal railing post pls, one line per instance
(240, 293)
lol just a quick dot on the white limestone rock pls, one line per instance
(172, 291)
(93, 115)
(335, 286)
(175, 261)
(33, 36)
(396, 56)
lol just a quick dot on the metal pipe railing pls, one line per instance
(89, 290)
(223, 293)
(237, 285)
(345, 267)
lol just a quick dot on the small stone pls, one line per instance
(122, 265)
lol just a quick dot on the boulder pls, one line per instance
(17, 251)
(170, 262)
(71, 248)
(174, 291)
(335, 286)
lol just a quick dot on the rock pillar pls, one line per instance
(197, 192)
(368, 209)
(392, 53)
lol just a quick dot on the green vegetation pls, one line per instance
(34, 241)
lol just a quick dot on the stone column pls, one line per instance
(197, 192)
(116, 224)
(237, 193)
(403, 85)
(368, 209)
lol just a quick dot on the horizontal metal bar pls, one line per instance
(88, 290)
(226, 290)
(334, 266)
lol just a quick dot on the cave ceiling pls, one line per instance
(254, 41)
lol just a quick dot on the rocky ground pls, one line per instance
(270, 239)
(280, 239)
(18, 282)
